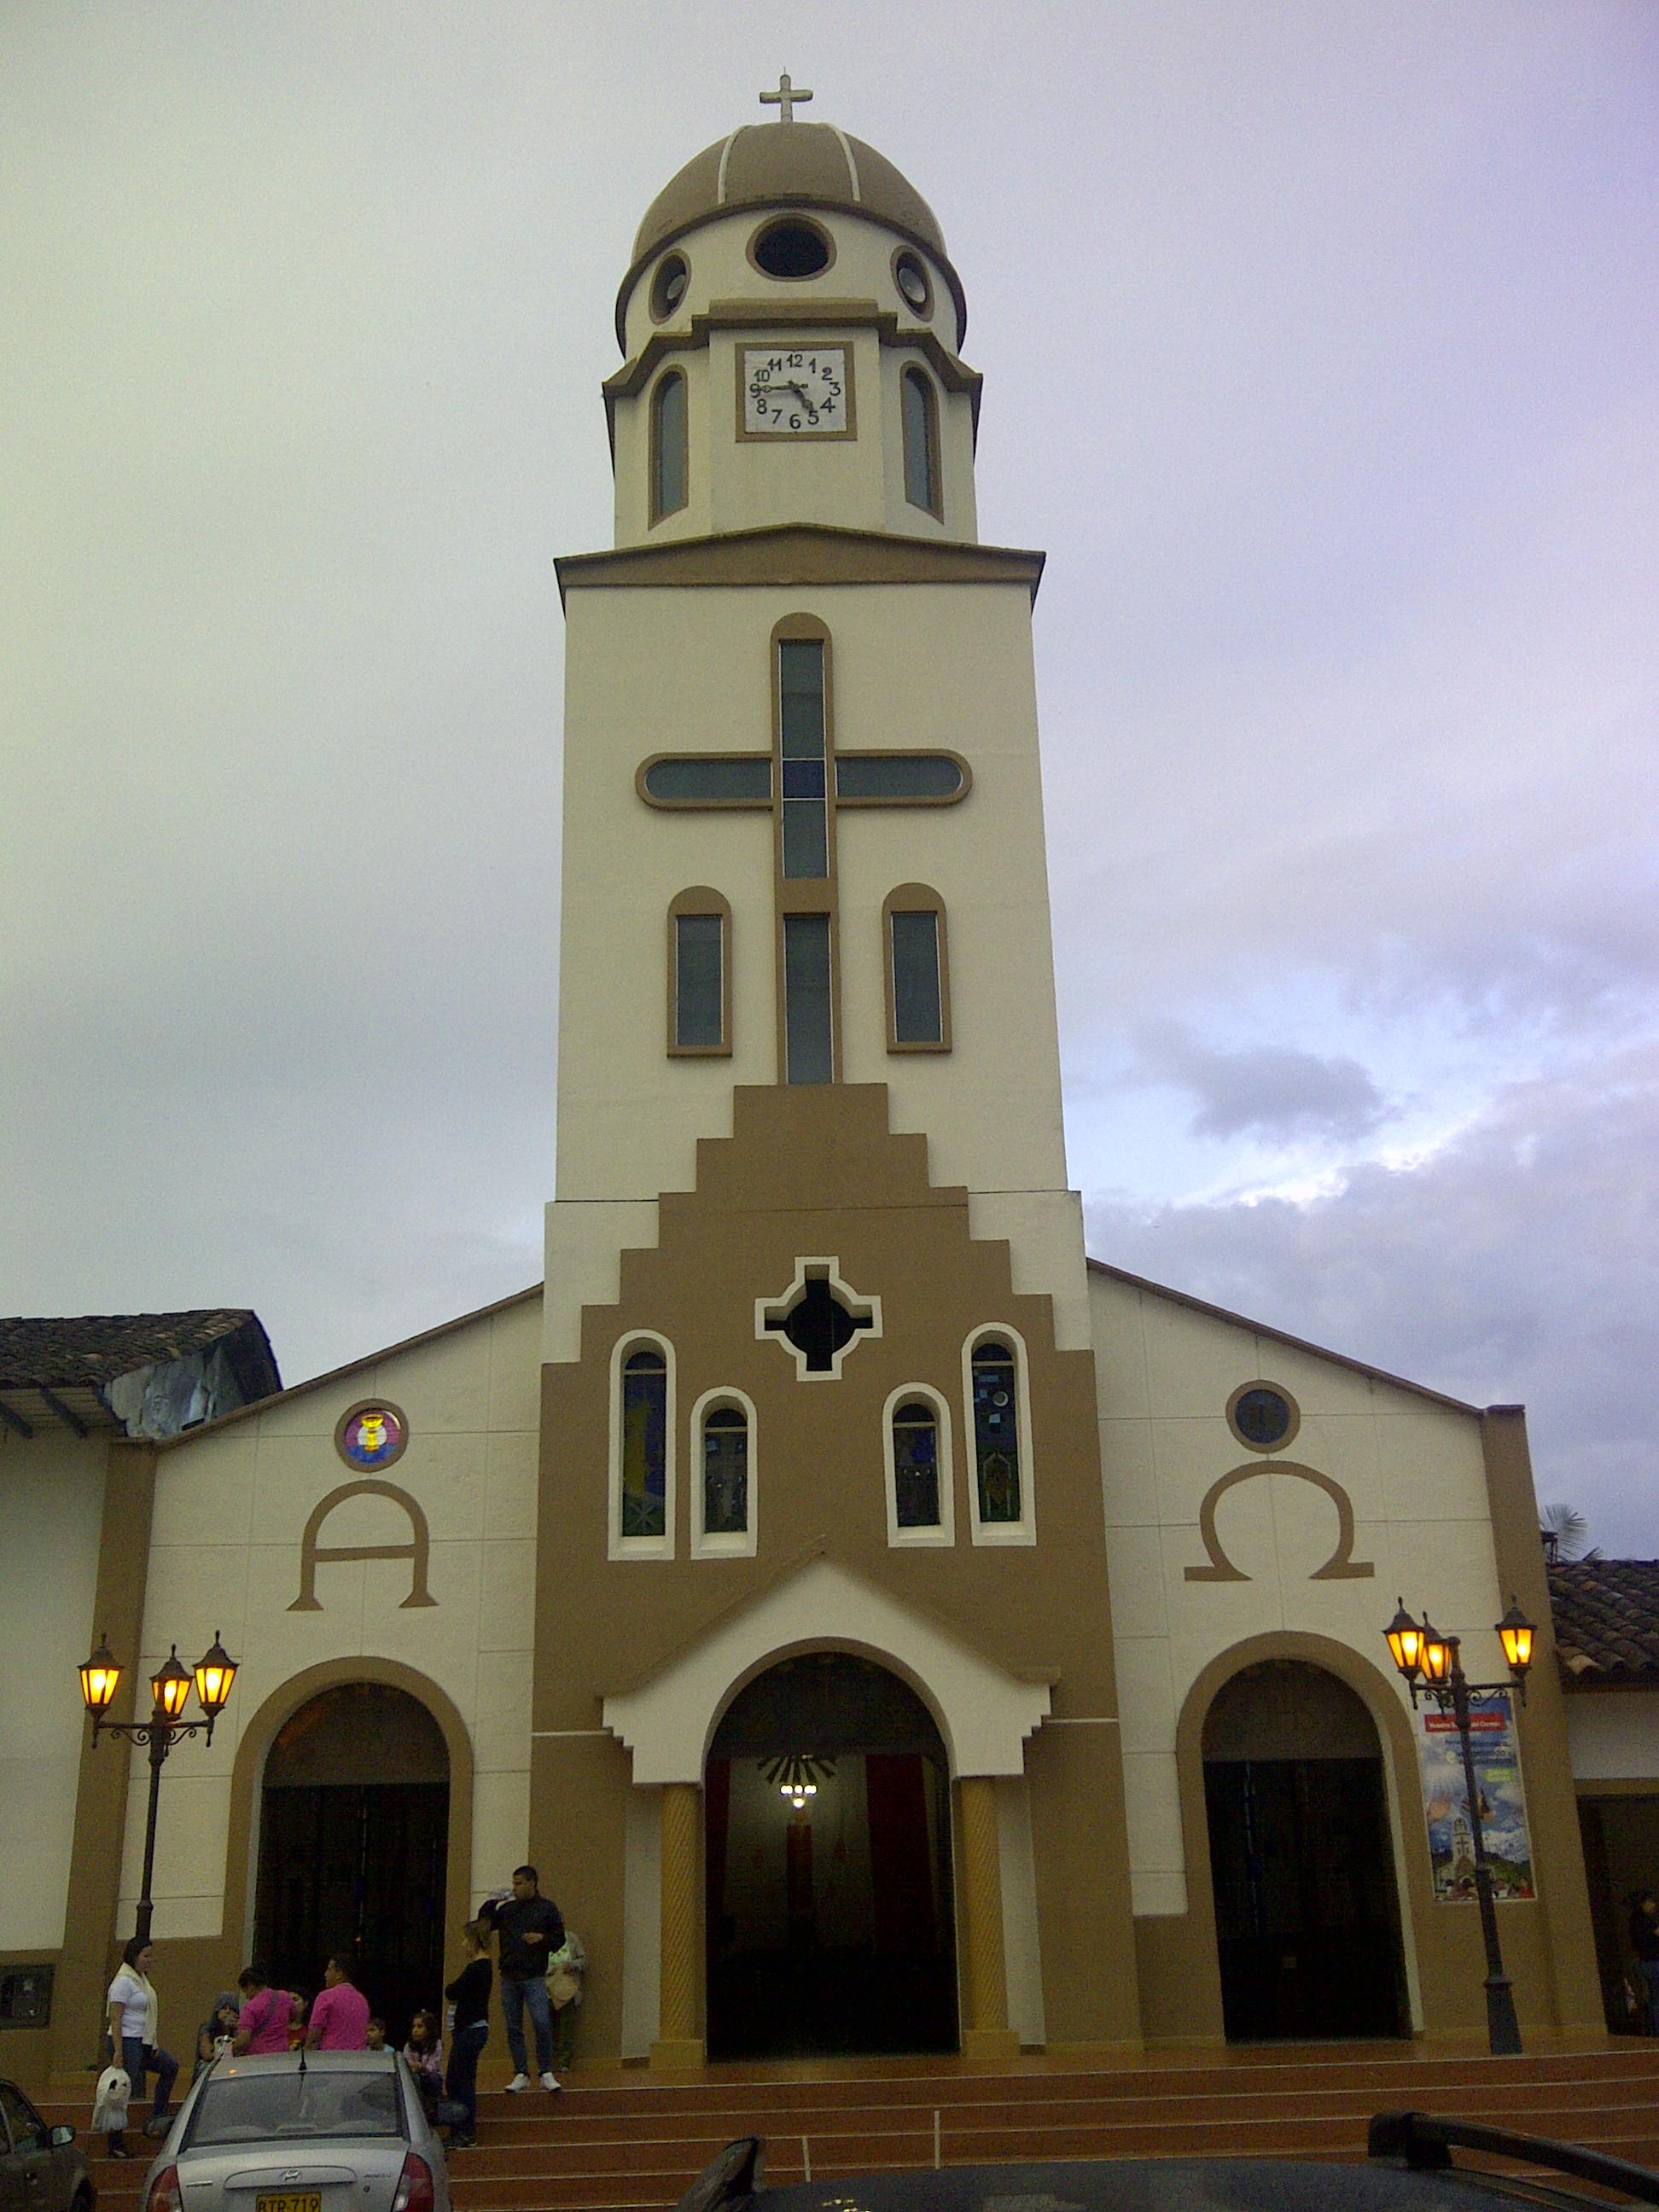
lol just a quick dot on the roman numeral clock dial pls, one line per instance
(794, 392)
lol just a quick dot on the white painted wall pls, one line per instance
(231, 1507)
(671, 671)
(52, 1504)
(1613, 1736)
(1413, 1468)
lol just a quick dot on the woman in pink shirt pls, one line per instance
(339, 2012)
(263, 2023)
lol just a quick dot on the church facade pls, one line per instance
(884, 1627)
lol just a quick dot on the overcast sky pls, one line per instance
(1320, 352)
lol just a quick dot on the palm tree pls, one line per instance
(1564, 1530)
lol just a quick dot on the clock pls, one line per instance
(795, 392)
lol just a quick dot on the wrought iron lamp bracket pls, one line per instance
(164, 1732)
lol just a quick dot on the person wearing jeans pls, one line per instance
(469, 1993)
(133, 2030)
(529, 1929)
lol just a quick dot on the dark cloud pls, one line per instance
(1264, 1090)
(1520, 1262)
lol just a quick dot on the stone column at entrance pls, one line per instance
(679, 2019)
(985, 2029)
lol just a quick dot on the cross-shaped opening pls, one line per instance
(819, 1317)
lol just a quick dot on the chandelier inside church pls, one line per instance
(797, 1775)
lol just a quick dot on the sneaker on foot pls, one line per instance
(518, 2081)
(548, 2080)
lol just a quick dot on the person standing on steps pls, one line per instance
(135, 2039)
(339, 2015)
(469, 2030)
(529, 1929)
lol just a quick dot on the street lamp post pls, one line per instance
(170, 1687)
(1425, 1656)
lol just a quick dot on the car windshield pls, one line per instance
(248, 2108)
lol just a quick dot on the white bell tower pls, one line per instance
(803, 824)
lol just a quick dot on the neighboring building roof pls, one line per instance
(138, 1374)
(1284, 1336)
(1607, 1620)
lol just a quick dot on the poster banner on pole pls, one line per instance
(1496, 1754)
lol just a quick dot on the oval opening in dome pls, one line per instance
(668, 285)
(915, 287)
(790, 248)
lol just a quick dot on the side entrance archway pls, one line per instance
(1307, 1918)
(830, 1921)
(354, 1828)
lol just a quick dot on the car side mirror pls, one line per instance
(61, 2139)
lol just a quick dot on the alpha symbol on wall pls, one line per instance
(416, 1550)
(819, 1318)
(1342, 1566)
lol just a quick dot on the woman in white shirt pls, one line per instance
(133, 2031)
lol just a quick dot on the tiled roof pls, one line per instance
(1607, 1620)
(90, 1349)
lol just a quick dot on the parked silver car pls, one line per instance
(40, 2170)
(300, 2131)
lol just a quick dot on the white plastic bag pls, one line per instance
(113, 2095)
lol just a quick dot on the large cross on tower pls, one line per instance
(784, 99)
(804, 782)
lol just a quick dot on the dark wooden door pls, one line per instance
(358, 1866)
(1306, 1923)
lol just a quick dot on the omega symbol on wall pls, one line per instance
(1264, 1418)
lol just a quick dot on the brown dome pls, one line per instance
(790, 165)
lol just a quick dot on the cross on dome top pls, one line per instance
(784, 99)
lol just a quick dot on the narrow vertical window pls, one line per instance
(921, 420)
(996, 1432)
(645, 1444)
(725, 1471)
(802, 743)
(917, 973)
(915, 1464)
(699, 982)
(669, 462)
(808, 1028)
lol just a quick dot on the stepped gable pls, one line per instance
(1607, 1620)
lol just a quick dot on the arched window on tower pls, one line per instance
(722, 1428)
(919, 407)
(916, 970)
(699, 974)
(998, 1409)
(669, 460)
(641, 1458)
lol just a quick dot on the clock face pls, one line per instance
(799, 392)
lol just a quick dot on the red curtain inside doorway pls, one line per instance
(901, 1870)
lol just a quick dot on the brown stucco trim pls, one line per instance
(792, 554)
(1634, 1785)
(1552, 1803)
(700, 899)
(339, 1374)
(100, 1805)
(256, 1738)
(916, 898)
(1276, 1336)
(1194, 2003)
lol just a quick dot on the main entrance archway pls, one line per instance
(354, 1845)
(830, 1923)
(1306, 1920)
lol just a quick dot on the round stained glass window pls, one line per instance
(1262, 1417)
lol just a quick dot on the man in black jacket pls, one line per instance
(529, 1929)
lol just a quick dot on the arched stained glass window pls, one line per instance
(920, 421)
(645, 1443)
(670, 464)
(996, 1431)
(725, 1471)
(915, 1464)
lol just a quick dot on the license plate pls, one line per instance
(288, 2200)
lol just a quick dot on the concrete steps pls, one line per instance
(636, 2140)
